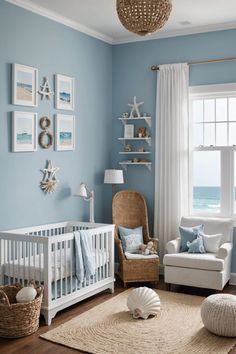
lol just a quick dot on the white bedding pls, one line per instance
(33, 267)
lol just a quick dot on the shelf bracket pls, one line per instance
(148, 141)
(148, 120)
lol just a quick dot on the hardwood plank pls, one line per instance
(35, 345)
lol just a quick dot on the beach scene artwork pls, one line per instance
(66, 132)
(65, 93)
(24, 85)
(24, 131)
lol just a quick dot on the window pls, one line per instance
(213, 137)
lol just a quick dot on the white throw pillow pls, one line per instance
(211, 242)
(132, 242)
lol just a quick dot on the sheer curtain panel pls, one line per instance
(172, 151)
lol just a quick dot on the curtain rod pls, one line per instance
(156, 67)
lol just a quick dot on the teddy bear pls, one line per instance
(147, 249)
(142, 132)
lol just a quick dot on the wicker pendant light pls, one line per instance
(143, 16)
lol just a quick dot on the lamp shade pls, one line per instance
(114, 176)
(82, 191)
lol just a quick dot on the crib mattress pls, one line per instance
(33, 267)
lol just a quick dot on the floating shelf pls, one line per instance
(148, 140)
(125, 164)
(148, 120)
(134, 152)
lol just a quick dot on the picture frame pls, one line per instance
(24, 131)
(65, 132)
(24, 85)
(129, 131)
(65, 95)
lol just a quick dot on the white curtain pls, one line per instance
(171, 168)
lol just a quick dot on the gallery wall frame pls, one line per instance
(24, 131)
(24, 85)
(64, 132)
(65, 92)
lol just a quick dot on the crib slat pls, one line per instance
(55, 268)
(65, 254)
(71, 244)
(62, 265)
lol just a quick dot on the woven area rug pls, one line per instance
(110, 329)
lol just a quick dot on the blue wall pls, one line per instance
(132, 77)
(105, 76)
(33, 40)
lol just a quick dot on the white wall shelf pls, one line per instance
(134, 152)
(148, 140)
(125, 164)
(148, 120)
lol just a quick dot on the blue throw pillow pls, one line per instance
(137, 234)
(196, 246)
(188, 234)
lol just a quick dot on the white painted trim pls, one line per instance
(203, 90)
(232, 279)
(39, 10)
(27, 5)
(177, 33)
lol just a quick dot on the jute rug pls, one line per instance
(110, 329)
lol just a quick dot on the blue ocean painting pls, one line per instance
(65, 138)
(24, 138)
(65, 97)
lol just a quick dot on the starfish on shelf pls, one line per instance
(135, 108)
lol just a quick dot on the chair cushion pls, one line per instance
(196, 246)
(131, 238)
(204, 261)
(212, 226)
(129, 255)
(211, 242)
(188, 234)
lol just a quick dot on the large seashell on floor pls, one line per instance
(143, 302)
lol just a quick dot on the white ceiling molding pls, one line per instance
(27, 5)
(182, 32)
(40, 10)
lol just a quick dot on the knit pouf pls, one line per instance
(219, 314)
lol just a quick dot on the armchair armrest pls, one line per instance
(119, 248)
(173, 246)
(224, 250)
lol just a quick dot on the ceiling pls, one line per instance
(99, 19)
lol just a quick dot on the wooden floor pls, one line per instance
(35, 345)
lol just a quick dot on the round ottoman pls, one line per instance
(219, 314)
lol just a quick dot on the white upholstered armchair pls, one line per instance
(206, 270)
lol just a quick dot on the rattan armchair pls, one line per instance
(129, 210)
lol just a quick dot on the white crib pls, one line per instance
(46, 254)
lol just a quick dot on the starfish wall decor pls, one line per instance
(135, 108)
(49, 181)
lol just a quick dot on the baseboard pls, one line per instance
(233, 279)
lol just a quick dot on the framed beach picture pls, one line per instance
(65, 132)
(65, 95)
(24, 85)
(24, 131)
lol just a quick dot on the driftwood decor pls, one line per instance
(49, 181)
(45, 137)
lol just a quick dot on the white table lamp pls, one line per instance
(113, 177)
(87, 195)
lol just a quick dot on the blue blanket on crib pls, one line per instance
(84, 260)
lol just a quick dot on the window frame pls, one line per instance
(227, 153)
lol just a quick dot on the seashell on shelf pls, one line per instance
(143, 302)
